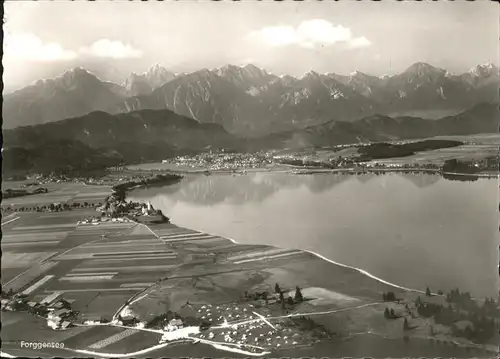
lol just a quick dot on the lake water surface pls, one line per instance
(412, 230)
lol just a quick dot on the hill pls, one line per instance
(100, 139)
(482, 118)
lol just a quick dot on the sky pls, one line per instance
(292, 38)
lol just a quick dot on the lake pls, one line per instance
(413, 230)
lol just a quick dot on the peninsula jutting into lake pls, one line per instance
(250, 179)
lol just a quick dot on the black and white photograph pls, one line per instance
(239, 179)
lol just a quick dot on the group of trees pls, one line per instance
(455, 165)
(298, 297)
(462, 308)
(161, 320)
(389, 297)
(390, 314)
(388, 150)
(7, 294)
(307, 324)
(120, 190)
(284, 301)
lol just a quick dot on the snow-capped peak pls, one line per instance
(310, 73)
(484, 69)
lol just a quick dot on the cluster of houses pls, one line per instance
(94, 220)
(223, 160)
(56, 310)
(123, 212)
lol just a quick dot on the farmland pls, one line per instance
(128, 282)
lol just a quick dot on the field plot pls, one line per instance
(23, 260)
(465, 153)
(135, 342)
(29, 276)
(98, 305)
(33, 242)
(9, 274)
(59, 193)
(100, 275)
(92, 336)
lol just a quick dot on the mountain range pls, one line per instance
(251, 101)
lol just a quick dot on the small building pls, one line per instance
(463, 324)
(50, 298)
(61, 303)
(129, 320)
(59, 314)
(33, 304)
(65, 325)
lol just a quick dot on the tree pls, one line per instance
(282, 297)
(169, 316)
(428, 292)
(418, 302)
(277, 288)
(387, 314)
(390, 297)
(406, 326)
(298, 295)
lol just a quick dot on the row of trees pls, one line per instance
(53, 207)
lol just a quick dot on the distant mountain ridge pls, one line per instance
(247, 100)
(142, 84)
(99, 139)
(482, 118)
(74, 93)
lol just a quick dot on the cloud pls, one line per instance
(309, 34)
(110, 48)
(359, 42)
(30, 47)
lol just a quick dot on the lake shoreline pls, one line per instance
(314, 170)
(127, 191)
